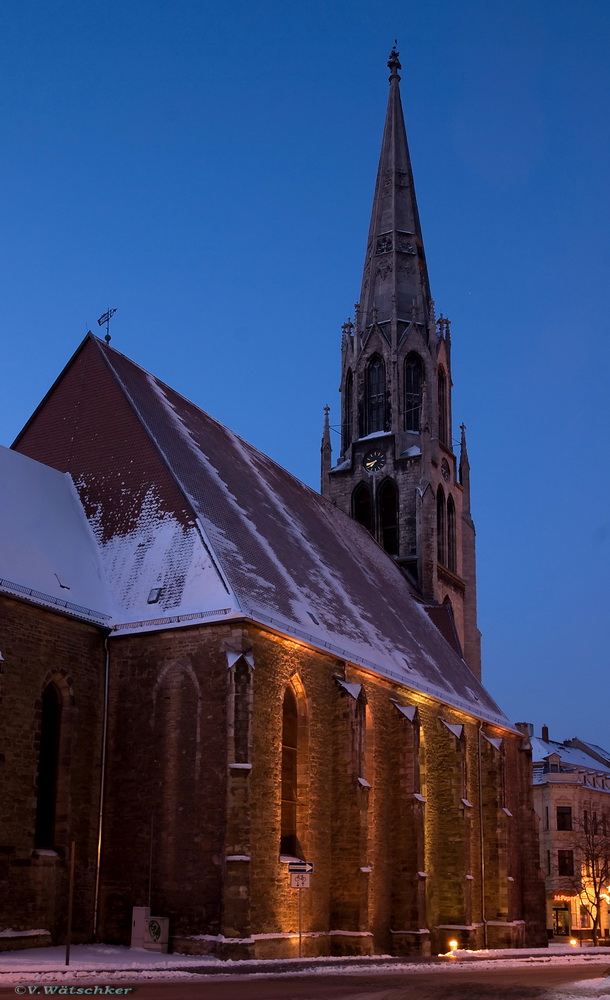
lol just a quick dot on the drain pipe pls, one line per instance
(481, 836)
(100, 821)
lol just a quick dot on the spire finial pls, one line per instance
(394, 62)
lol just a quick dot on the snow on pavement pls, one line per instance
(114, 963)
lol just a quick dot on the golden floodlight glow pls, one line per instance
(573, 942)
(453, 945)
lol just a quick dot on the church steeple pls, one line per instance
(397, 472)
(395, 287)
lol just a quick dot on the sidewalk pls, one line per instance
(103, 960)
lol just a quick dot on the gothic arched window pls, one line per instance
(362, 506)
(388, 516)
(48, 768)
(290, 730)
(451, 544)
(375, 395)
(422, 778)
(414, 377)
(346, 436)
(442, 407)
(441, 527)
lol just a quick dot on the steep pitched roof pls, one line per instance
(48, 554)
(288, 558)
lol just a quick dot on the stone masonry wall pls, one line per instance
(38, 646)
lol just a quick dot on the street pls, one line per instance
(466, 982)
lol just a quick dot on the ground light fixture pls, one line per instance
(453, 945)
(573, 942)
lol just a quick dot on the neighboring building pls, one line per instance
(572, 800)
(240, 675)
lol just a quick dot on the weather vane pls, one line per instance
(106, 319)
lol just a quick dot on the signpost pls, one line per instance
(300, 873)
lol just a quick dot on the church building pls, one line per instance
(211, 672)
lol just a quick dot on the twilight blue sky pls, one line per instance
(208, 169)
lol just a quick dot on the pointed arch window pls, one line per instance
(443, 423)
(441, 527)
(388, 516)
(290, 726)
(375, 395)
(348, 402)
(422, 778)
(48, 768)
(413, 381)
(451, 542)
(362, 506)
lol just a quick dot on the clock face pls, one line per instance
(445, 470)
(374, 460)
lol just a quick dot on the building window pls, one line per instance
(48, 768)
(362, 506)
(241, 723)
(451, 545)
(414, 377)
(441, 527)
(347, 411)
(422, 782)
(388, 516)
(375, 395)
(442, 407)
(565, 862)
(290, 728)
(564, 817)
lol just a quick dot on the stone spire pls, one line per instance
(395, 284)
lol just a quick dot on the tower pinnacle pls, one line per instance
(326, 448)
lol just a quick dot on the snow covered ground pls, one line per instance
(108, 964)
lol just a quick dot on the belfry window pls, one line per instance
(362, 506)
(375, 395)
(290, 726)
(443, 423)
(451, 544)
(441, 527)
(388, 516)
(413, 373)
(346, 428)
(48, 768)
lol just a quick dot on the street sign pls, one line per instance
(306, 867)
(299, 880)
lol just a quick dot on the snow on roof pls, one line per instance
(291, 559)
(47, 550)
(571, 757)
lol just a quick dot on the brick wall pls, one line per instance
(39, 646)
